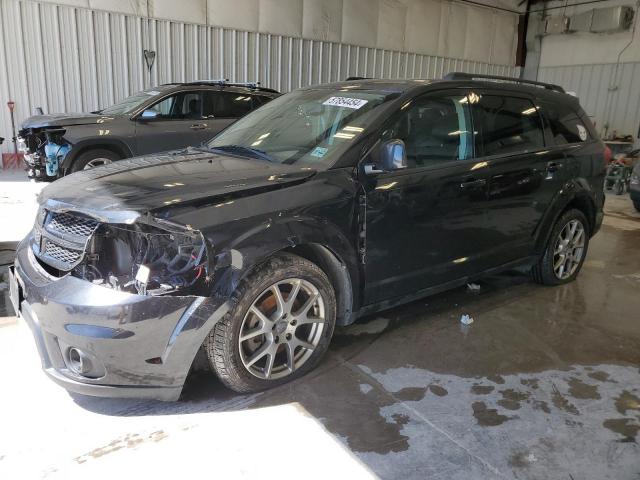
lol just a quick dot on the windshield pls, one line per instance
(305, 126)
(129, 104)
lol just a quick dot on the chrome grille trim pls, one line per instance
(66, 223)
(61, 254)
(60, 238)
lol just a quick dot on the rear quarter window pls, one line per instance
(507, 125)
(566, 125)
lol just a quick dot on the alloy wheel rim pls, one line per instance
(97, 162)
(569, 249)
(282, 329)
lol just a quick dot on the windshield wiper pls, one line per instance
(242, 150)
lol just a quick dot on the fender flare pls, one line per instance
(312, 238)
(575, 192)
(92, 143)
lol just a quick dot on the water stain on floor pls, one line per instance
(600, 376)
(532, 383)
(488, 417)
(584, 391)
(627, 401)
(627, 427)
(482, 389)
(438, 390)
(511, 399)
(129, 441)
(560, 402)
(411, 394)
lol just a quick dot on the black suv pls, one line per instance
(326, 204)
(156, 120)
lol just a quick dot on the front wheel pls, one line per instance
(566, 250)
(279, 328)
(94, 158)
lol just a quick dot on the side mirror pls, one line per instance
(392, 156)
(149, 115)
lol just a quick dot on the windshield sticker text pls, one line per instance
(346, 102)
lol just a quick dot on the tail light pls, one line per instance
(608, 155)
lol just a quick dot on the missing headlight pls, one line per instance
(146, 260)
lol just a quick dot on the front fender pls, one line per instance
(85, 143)
(256, 245)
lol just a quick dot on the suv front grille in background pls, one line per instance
(60, 238)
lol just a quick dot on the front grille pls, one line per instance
(61, 254)
(71, 224)
(60, 239)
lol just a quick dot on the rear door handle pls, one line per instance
(554, 166)
(198, 126)
(471, 183)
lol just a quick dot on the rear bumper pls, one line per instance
(133, 346)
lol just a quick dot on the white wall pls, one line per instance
(590, 48)
(429, 27)
(67, 58)
(587, 63)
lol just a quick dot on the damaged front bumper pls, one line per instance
(44, 151)
(97, 341)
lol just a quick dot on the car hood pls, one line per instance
(125, 190)
(65, 120)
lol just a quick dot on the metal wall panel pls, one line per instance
(67, 59)
(610, 94)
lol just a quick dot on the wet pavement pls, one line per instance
(545, 383)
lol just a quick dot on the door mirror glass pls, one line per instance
(149, 115)
(393, 155)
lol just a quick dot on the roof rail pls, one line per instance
(224, 82)
(472, 76)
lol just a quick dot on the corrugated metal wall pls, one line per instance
(66, 59)
(610, 94)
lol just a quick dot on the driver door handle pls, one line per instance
(553, 167)
(471, 183)
(198, 126)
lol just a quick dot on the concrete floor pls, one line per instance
(544, 384)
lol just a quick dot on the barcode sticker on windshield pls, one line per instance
(346, 102)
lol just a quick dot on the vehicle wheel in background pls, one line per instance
(566, 250)
(279, 327)
(619, 187)
(636, 204)
(94, 158)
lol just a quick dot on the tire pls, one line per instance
(619, 187)
(544, 271)
(85, 159)
(231, 358)
(636, 204)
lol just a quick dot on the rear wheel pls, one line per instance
(566, 250)
(619, 187)
(94, 158)
(279, 328)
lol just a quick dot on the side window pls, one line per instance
(434, 130)
(259, 100)
(181, 106)
(565, 124)
(507, 125)
(227, 104)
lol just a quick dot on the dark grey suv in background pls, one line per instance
(160, 119)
